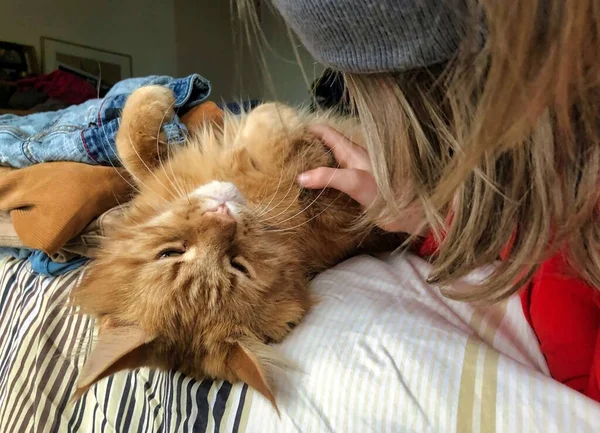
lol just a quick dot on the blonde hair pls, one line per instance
(499, 145)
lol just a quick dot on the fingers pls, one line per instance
(347, 153)
(361, 186)
(358, 184)
(354, 178)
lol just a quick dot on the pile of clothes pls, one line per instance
(48, 92)
(61, 184)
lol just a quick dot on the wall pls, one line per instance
(143, 28)
(208, 42)
(173, 37)
(287, 81)
(213, 42)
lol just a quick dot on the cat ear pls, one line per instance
(251, 369)
(118, 348)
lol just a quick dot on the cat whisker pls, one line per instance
(230, 134)
(176, 186)
(137, 179)
(135, 188)
(160, 162)
(149, 170)
(117, 169)
(266, 210)
(312, 202)
(261, 205)
(301, 211)
(262, 212)
(125, 214)
(305, 151)
(300, 164)
(287, 229)
(277, 205)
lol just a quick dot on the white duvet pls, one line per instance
(385, 352)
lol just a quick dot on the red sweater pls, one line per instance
(564, 313)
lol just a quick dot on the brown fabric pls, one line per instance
(10, 238)
(50, 203)
(206, 112)
(84, 244)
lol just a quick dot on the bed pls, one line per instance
(382, 352)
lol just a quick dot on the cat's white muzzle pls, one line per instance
(216, 194)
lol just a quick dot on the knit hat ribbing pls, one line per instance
(365, 36)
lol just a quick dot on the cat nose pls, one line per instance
(221, 211)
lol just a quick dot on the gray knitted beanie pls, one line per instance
(364, 36)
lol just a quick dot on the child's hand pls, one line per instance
(354, 178)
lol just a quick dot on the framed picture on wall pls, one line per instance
(17, 61)
(107, 66)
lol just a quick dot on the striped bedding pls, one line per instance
(382, 351)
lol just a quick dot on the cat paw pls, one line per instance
(152, 105)
(140, 141)
(274, 116)
(270, 132)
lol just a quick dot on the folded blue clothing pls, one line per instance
(86, 132)
(41, 263)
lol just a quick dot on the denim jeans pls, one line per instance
(86, 132)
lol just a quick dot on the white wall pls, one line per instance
(145, 29)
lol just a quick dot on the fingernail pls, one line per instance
(303, 178)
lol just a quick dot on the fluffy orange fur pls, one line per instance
(181, 286)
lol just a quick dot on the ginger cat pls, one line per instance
(213, 259)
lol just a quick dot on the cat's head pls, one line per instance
(191, 280)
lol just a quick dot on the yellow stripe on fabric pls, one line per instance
(489, 391)
(492, 324)
(485, 324)
(466, 393)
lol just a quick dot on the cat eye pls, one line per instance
(235, 264)
(172, 252)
